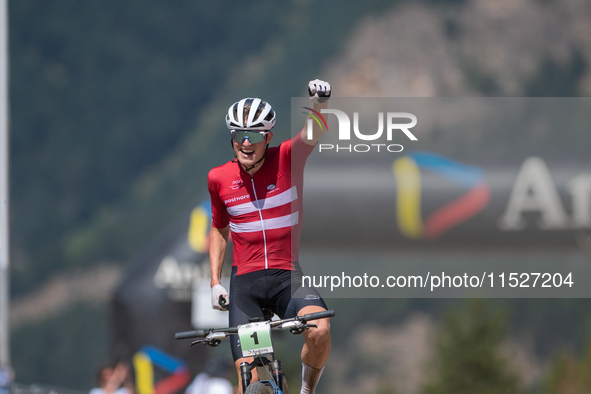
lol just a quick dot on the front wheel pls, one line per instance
(258, 388)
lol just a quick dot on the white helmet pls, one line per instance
(250, 114)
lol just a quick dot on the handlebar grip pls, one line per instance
(190, 334)
(318, 315)
(222, 301)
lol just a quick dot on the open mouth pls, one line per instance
(247, 153)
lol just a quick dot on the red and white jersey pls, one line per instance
(264, 211)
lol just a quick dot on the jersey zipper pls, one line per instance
(262, 223)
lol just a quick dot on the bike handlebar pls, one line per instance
(318, 315)
(274, 324)
(190, 334)
(204, 333)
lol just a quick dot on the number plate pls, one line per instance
(255, 339)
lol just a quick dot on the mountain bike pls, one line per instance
(255, 341)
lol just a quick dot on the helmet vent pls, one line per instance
(250, 114)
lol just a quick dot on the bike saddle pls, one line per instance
(267, 315)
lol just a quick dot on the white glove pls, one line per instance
(216, 292)
(319, 91)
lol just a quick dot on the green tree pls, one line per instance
(569, 374)
(468, 357)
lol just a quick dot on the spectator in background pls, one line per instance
(113, 379)
(212, 380)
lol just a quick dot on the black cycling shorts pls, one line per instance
(269, 289)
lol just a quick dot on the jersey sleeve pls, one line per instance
(219, 214)
(296, 152)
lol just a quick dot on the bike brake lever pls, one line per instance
(210, 342)
(301, 329)
(214, 342)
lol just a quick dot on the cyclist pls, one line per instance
(252, 197)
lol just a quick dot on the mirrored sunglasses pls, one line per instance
(252, 135)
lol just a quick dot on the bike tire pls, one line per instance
(258, 388)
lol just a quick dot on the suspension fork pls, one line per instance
(277, 374)
(245, 375)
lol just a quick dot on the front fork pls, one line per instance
(277, 374)
(246, 374)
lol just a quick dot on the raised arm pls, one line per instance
(319, 93)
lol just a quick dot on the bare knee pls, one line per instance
(318, 337)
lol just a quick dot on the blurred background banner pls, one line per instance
(482, 173)
(160, 293)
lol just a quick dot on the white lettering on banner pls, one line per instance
(172, 274)
(535, 191)
(580, 190)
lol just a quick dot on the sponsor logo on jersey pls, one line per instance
(236, 199)
(236, 184)
(271, 186)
